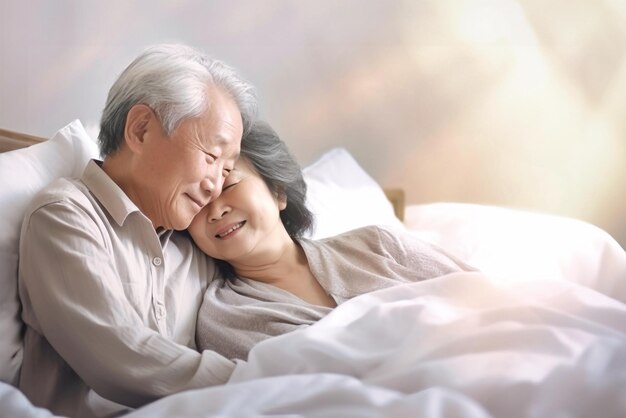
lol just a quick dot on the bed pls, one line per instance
(540, 331)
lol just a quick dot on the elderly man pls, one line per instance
(110, 292)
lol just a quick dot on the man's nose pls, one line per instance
(213, 186)
(213, 182)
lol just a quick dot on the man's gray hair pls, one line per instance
(172, 80)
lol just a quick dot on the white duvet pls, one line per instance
(462, 345)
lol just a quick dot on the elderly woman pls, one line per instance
(272, 279)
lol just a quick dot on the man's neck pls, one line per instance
(119, 168)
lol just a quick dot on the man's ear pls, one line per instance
(137, 121)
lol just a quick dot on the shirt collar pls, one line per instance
(108, 193)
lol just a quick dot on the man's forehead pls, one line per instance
(228, 143)
(231, 150)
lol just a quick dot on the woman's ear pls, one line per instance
(281, 200)
(137, 121)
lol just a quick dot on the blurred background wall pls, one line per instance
(517, 103)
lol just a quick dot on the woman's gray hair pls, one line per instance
(172, 80)
(282, 174)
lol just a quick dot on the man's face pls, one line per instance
(178, 175)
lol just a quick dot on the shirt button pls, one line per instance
(160, 312)
(157, 261)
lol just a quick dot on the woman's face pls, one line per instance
(242, 226)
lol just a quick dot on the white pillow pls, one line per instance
(514, 244)
(342, 196)
(23, 173)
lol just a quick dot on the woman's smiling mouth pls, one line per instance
(227, 232)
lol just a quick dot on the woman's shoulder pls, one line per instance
(373, 232)
(369, 238)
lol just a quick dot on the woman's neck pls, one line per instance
(289, 270)
(285, 264)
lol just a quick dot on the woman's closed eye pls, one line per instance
(229, 185)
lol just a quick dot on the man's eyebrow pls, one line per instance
(222, 141)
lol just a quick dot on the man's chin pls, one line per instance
(182, 223)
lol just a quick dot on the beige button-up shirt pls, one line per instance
(109, 303)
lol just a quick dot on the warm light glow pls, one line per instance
(490, 22)
(506, 102)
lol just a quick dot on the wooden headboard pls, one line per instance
(396, 197)
(10, 140)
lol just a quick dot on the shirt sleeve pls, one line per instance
(419, 255)
(71, 292)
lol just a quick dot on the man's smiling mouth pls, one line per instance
(197, 202)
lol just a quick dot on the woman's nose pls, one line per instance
(218, 215)
(217, 210)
